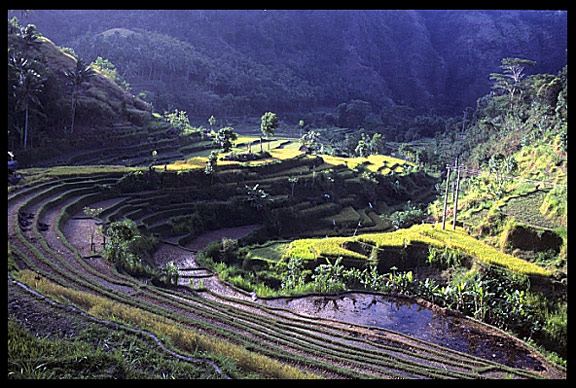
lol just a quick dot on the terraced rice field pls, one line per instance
(526, 209)
(375, 163)
(332, 247)
(270, 341)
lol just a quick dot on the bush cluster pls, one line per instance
(127, 248)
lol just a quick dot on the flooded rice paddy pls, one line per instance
(397, 314)
(410, 318)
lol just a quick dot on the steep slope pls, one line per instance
(103, 113)
(425, 59)
(103, 101)
(514, 183)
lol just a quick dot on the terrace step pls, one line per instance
(329, 347)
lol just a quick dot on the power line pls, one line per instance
(456, 193)
(478, 172)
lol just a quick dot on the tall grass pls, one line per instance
(184, 338)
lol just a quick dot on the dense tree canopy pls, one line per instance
(51, 92)
(246, 62)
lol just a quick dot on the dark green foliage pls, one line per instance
(46, 88)
(26, 90)
(531, 110)
(363, 148)
(178, 120)
(310, 141)
(211, 165)
(509, 81)
(445, 258)
(268, 125)
(407, 217)
(225, 138)
(131, 251)
(353, 114)
(261, 334)
(81, 73)
(496, 127)
(257, 197)
(249, 62)
(225, 250)
(131, 182)
(119, 234)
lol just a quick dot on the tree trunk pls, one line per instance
(73, 110)
(26, 126)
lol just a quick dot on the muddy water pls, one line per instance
(390, 313)
(412, 319)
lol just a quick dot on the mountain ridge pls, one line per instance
(427, 59)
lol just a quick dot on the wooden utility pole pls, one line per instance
(456, 194)
(446, 197)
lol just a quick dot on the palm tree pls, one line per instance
(29, 36)
(29, 84)
(79, 74)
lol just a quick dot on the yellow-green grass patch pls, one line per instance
(458, 239)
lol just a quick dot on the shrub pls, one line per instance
(407, 217)
(444, 257)
(556, 327)
(223, 251)
(170, 274)
(125, 247)
(329, 277)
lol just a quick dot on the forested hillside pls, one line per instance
(245, 62)
(53, 96)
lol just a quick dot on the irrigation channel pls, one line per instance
(351, 335)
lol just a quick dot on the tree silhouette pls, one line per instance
(76, 76)
(268, 126)
(29, 84)
(224, 138)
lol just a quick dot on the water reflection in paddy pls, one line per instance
(415, 320)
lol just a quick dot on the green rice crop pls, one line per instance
(459, 239)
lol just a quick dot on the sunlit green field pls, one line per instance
(314, 248)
